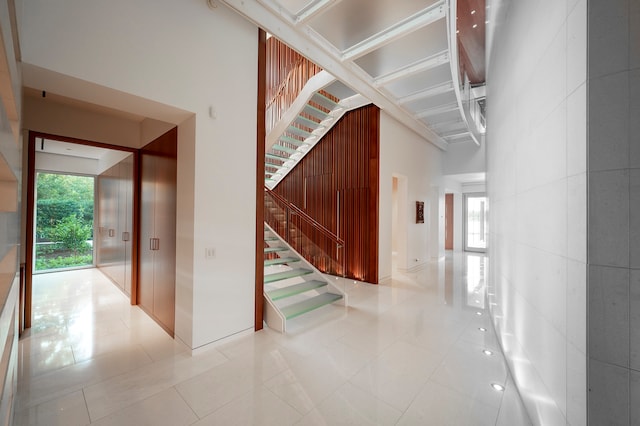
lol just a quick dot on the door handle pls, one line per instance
(125, 236)
(154, 244)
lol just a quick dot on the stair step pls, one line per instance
(286, 274)
(307, 122)
(278, 147)
(274, 249)
(276, 157)
(316, 112)
(289, 139)
(296, 309)
(299, 132)
(281, 261)
(292, 290)
(324, 101)
(270, 238)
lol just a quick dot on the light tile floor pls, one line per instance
(406, 353)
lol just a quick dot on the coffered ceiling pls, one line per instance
(403, 55)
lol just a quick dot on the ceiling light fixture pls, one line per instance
(482, 329)
(497, 387)
(475, 25)
(479, 313)
(473, 12)
(487, 352)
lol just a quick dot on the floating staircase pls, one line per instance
(292, 286)
(320, 104)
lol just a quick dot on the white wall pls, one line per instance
(189, 57)
(613, 104)
(55, 118)
(66, 164)
(536, 145)
(464, 157)
(404, 153)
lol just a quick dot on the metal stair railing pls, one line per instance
(321, 247)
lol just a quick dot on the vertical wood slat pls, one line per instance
(345, 165)
(260, 167)
(286, 74)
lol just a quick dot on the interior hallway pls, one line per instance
(407, 353)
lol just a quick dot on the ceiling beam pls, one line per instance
(322, 54)
(438, 89)
(400, 29)
(457, 135)
(313, 9)
(414, 68)
(438, 110)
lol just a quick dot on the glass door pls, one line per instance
(476, 211)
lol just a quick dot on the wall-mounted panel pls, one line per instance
(337, 185)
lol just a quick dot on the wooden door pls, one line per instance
(448, 222)
(157, 246)
(165, 231)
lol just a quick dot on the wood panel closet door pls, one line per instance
(147, 231)
(165, 256)
(126, 219)
(157, 248)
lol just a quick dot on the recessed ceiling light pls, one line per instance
(497, 387)
(475, 25)
(482, 329)
(487, 352)
(457, 31)
(479, 313)
(473, 12)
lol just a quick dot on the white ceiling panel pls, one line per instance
(340, 90)
(432, 102)
(395, 53)
(420, 44)
(295, 7)
(418, 82)
(352, 21)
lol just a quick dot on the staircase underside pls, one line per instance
(318, 107)
(403, 56)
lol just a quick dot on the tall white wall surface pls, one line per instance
(404, 153)
(464, 157)
(614, 212)
(536, 163)
(193, 59)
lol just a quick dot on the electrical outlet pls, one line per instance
(209, 253)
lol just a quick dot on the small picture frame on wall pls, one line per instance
(419, 211)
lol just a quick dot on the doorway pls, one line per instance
(475, 222)
(64, 217)
(448, 221)
(56, 158)
(399, 217)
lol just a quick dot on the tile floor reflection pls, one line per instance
(407, 353)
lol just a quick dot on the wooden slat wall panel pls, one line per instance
(286, 74)
(344, 168)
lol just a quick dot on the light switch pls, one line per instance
(209, 253)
